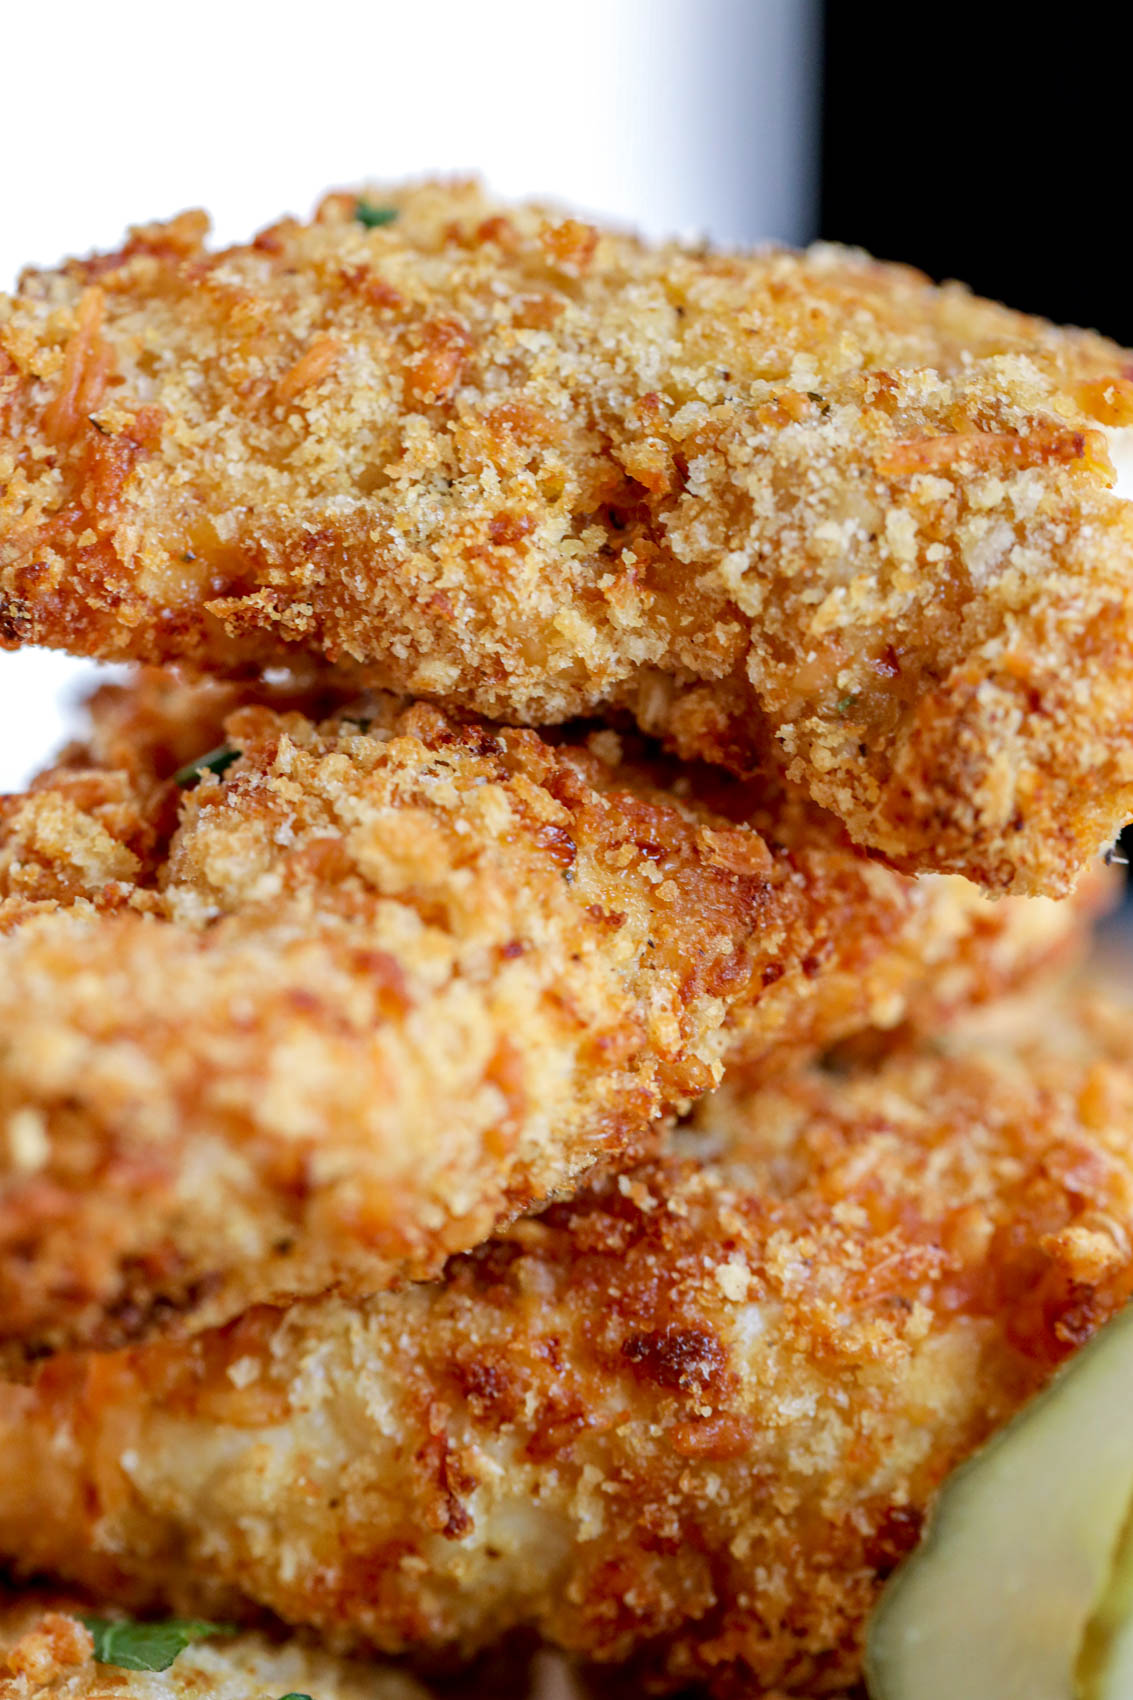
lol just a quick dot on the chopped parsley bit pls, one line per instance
(147, 1646)
(373, 217)
(295, 1697)
(844, 704)
(216, 761)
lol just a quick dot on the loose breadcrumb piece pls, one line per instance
(46, 1650)
(690, 1419)
(372, 980)
(803, 509)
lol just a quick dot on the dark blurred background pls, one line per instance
(989, 144)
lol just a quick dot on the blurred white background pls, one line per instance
(673, 115)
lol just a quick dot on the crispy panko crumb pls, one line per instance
(45, 1650)
(336, 1011)
(690, 1419)
(793, 508)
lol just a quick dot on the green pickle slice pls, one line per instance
(1105, 1659)
(1023, 1584)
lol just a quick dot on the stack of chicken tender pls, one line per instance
(545, 1097)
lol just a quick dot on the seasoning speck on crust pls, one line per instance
(46, 1651)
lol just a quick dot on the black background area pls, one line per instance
(986, 143)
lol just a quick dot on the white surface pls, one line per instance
(39, 694)
(686, 115)
(676, 114)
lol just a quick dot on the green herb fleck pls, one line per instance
(148, 1646)
(844, 704)
(373, 217)
(217, 761)
(295, 1697)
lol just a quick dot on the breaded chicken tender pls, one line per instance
(690, 1419)
(805, 511)
(46, 1649)
(368, 982)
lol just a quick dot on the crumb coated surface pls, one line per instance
(691, 1418)
(45, 1649)
(796, 508)
(388, 978)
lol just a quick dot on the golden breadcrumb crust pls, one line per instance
(796, 509)
(390, 978)
(690, 1419)
(46, 1650)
